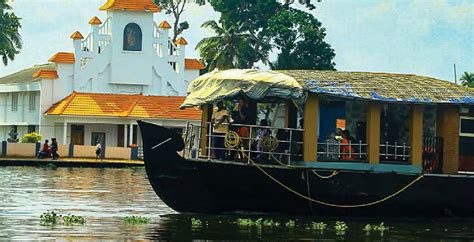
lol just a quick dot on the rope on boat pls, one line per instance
(333, 204)
(232, 141)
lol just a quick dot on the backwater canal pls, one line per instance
(104, 196)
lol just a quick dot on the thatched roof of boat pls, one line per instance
(292, 84)
(386, 87)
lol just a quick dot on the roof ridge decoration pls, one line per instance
(63, 57)
(77, 35)
(133, 105)
(164, 25)
(45, 73)
(95, 21)
(181, 41)
(128, 5)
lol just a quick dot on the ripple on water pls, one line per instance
(105, 196)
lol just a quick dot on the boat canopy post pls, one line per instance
(447, 126)
(310, 135)
(373, 132)
(291, 113)
(416, 134)
(205, 118)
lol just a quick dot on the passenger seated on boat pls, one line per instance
(262, 133)
(219, 119)
(346, 146)
(330, 148)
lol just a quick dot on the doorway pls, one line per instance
(77, 134)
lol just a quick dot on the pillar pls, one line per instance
(125, 135)
(310, 135)
(373, 133)
(416, 134)
(206, 117)
(130, 134)
(447, 127)
(64, 133)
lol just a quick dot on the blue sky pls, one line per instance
(424, 37)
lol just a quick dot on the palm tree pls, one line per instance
(226, 50)
(10, 39)
(467, 79)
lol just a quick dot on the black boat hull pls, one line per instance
(225, 187)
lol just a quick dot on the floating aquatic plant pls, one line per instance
(318, 226)
(136, 220)
(257, 223)
(196, 222)
(374, 227)
(340, 228)
(290, 224)
(52, 218)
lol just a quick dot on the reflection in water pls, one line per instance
(105, 196)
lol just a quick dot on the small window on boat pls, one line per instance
(467, 126)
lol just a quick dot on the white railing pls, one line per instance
(328, 151)
(395, 151)
(87, 43)
(287, 144)
(106, 27)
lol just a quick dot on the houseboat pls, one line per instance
(336, 144)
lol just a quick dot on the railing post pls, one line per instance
(206, 117)
(373, 133)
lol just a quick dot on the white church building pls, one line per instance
(127, 68)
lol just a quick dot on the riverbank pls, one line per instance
(69, 162)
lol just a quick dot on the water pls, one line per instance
(105, 196)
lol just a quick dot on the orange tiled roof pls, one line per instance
(95, 21)
(62, 57)
(165, 25)
(193, 64)
(123, 105)
(43, 73)
(135, 5)
(77, 35)
(181, 41)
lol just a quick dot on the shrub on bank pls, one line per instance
(31, 138)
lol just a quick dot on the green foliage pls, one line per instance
(136, 220)
(299, 37)
(340, 228)
(257, 223)
(290, 224)
(31, 138)
(248, 30)
(52, 218)
(467, 79)
(381, 228)
(318, 226)
(10, 39)
(196, 222)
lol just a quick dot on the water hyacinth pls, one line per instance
(318, 226)
(340, 228)
(374, 227)
(52, 218)
(196, 222)
(136, 220)
(290, 224)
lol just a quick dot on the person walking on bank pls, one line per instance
(54, 149)
(98, 151)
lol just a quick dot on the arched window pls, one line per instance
(132, 37)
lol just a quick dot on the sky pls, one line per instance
(423, 37)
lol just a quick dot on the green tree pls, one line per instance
(299, 37)
(226, 49)
(176, 8)
(467, 79)
(10, 39)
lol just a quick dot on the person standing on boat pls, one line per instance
(220, 118)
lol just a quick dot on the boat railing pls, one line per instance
(333, 151)
(260, 143)
(394, 151)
